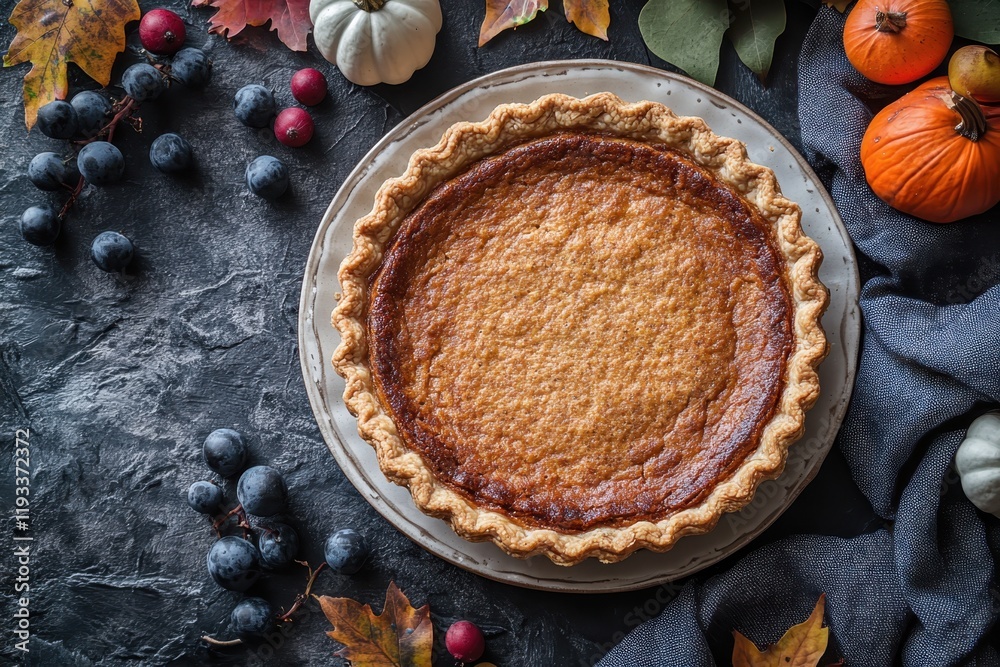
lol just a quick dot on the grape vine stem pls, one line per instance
(221, 642)
(300, 600)
(244, 522)
(72, 199)
(125, 111)
(128, 105)
(302, 597)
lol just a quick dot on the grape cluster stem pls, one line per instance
(224, 643)
(302, 597)
(243, 523)
(128, 106)
(286, 617)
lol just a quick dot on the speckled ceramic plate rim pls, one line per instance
(644, 569)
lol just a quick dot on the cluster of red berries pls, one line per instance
(294, 126)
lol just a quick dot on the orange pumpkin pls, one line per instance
(934, 154)
(898, 41)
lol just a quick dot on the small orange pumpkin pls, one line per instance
(934, 154)
(898, 41)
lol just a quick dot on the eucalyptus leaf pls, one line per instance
(686, 33)
(978, 20)
(754, 29)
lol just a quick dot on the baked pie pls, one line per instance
(581, 327)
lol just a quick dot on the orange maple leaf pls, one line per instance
(590, 16)
(400, 636)
(289, 18)
(503, 14)
(52, 33)
(802, 646)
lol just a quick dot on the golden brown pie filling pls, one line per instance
(581, 331)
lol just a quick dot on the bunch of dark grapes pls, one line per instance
(88, 122)
(266, 540)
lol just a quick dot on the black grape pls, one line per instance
(142, 82)
(278, 545)
(254, 105)
(111, 251)
(225, 451)
(49, 171)
(267, 177)
(262, 491)
(191, 67)
(58, 120)
(40, 225)
(170, 153)
(93, 111)
(101, 163)
(233, 563)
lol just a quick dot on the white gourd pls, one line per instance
(376, 41)
(978, 463)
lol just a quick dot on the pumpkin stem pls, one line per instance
(369, 5)
(973, 123)
(889, 21)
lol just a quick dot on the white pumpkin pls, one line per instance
(978, 463)
(376, 41)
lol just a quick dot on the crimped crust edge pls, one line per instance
(462, 144)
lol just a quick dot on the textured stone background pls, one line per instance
(121, 378)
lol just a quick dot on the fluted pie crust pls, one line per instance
(581, 327)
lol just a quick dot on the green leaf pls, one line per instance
(754, 30)
(978, 20)
(686, 33)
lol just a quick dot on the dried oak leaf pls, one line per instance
(503, 14)
(802, 646)
(52, 33)
(400, 636)
(289, 18)
(590, 16)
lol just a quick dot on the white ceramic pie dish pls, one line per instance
(474, 101)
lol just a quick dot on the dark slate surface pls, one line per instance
(120, 378)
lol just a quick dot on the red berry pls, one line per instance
(161, 32)
(464, 641)
(309, 86)
(293, 127)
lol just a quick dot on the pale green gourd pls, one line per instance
(376, 41)
(978, 463)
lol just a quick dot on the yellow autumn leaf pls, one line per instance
(802, 646)
(400, 636)
(590, 16)
(52, 33)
